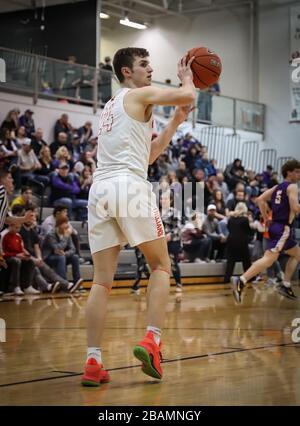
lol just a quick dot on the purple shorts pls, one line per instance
(282, 237)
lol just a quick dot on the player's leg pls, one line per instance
(148, 350)
(285, 287)
(105, 262)
(257, 267)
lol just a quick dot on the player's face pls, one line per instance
(141, 72)
(8, 183)
(295, 175)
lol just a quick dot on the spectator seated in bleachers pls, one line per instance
(8, 149)
(192, 158)
(76, 148)
(28, 164)
(230, 168)
(24, 199)
(86, 180)
(27, 121)
(19, 261)
(222, 185)
(212, 230)
(37, 141)
(60, 140)
(85, 133)
(217, 199)
(20, 136)
(62, 156)
(11, 121)
(62, 125)
(86, 159)
(59, 251)
(91, 146)
(48, 226)
(45, 160)
(45, 278)
(196, 245)
(65, 188)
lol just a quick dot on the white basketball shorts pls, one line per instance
(122, 210)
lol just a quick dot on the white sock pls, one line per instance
(156, 333)
(94, 353)
(286, 284)
(243, 279)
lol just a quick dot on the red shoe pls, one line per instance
(94, 374)
(149, 353)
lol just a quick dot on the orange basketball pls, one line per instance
(206, 66)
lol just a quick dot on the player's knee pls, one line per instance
(162, 266)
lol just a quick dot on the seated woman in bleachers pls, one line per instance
(59, 251)
(11, 121)
(218, 200)
(62, 156)
(8, 148)
(20, 136)
(86, 180)
(46, 162)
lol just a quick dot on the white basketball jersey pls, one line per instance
(123, 142)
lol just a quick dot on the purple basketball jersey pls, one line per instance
(280, 204)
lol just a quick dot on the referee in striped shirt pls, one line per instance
(6, 188)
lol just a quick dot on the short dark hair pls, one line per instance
(125, 57)
(25, 188)
(59, 208)
(290, 166)
(17, 210)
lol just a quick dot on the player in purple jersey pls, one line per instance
(285, 206)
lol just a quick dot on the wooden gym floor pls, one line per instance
(215, 352)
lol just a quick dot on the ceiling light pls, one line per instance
(132, 24)
(104, 15)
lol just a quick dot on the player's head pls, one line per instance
(291, 170)
(131, 64)
(7, 181)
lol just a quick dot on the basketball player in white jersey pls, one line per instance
(124, 153)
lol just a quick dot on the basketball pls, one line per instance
(206, 67)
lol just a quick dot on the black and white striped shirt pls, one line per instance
(3, 206)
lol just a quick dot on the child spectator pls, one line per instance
(19, 261)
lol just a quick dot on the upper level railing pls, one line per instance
(43, 77)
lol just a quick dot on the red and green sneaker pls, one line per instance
(94, 374)
(149, 353)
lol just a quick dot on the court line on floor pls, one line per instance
(142, 328)
(167, 361)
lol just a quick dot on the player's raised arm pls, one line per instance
(184, 95)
